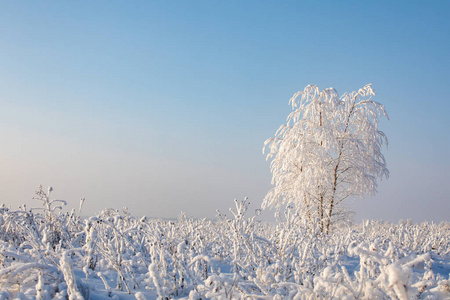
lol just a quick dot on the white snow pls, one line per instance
(117, 256)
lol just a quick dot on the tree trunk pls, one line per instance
(341, 148)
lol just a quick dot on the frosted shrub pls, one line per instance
(52, 221)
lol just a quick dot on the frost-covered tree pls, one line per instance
(328, 150)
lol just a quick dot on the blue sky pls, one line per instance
(164, 106)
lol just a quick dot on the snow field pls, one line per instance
(49, 254)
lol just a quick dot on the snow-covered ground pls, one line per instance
(52, 255)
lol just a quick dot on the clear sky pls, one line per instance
(164, 106)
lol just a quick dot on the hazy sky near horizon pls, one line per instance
(164, 106)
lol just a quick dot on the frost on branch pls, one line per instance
(328, 150)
